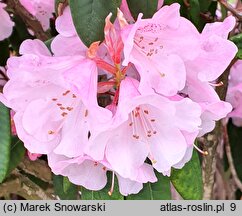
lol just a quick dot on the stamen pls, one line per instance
(110, 192)
(73, 96)
(216, 84)
(199, 150)
(134, 128)
(54, 99)
(51, 132)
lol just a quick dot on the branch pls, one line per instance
(212, 140)
(28, 19)
(38, 168)
(230, 159)
(19, 184)
(235, 12)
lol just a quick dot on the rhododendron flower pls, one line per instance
(207, 67)
(42, 10)
(37, 90)
(146, 126)
(234, 94)
(6, 24)
(157, 47)
(91, 174)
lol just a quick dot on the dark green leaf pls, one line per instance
(235, 137)
(17, 154)
(188, 180)
(159, 190)
(237, 39)
(147, 7)
(89, 17)
(5, 141)
(65, 190)
(20, 33)
(239, 54)
(204, 4)
(103, 194)
(195, 12)
(4, 52)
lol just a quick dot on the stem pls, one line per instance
(235, 12)
(19, 184)
(212, 140)
(28, 19)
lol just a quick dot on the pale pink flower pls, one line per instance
(42, 10)
(234, 94)
(215, 54)
(6, 24)
(157, 47)
(49, 110)
(67, 42)
(91, 174)
(146, 126)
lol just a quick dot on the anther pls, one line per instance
(86, 113)
(51, 132)
(67, 92)
(69, 108)
(64, 114)
(54, 99)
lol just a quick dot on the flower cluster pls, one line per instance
(131, 104)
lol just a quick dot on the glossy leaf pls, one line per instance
(195, 12)
(237, 39)
(147, 7)
(4, 52)
(188, 180)
(17, 153)
(235, 137)
(89, 17)
(103, 194)
(64, 189)
(5, 141)
(159, 190)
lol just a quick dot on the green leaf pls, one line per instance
(89, 17)
(188, 180)
(103, 194)
(235, 137)
(20, 33)
(237, 39)
(64, 189)
(159, 190)
(5, 141)
(239, 54)
(195, 12)
(147, 7)
(4, 52)
(204, 4)
(17, 154)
